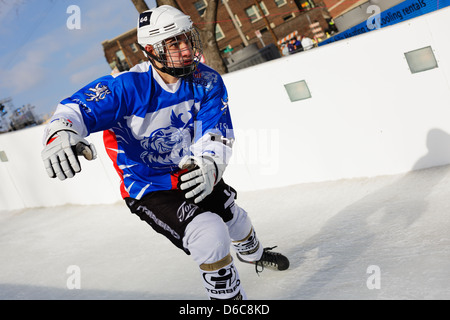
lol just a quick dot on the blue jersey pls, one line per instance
(149, 125)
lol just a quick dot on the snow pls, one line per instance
(332, 232)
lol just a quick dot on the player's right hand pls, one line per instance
(60, 154)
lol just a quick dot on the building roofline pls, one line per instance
(120, 36)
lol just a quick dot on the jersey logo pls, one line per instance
(98, 93)
(166, 146)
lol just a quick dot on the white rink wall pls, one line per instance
(25, 183)
(368, 116)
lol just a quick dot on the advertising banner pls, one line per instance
(403, 11)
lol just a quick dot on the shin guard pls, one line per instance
(221, 280)
(249, 248)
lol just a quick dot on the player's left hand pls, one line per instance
(203, 173)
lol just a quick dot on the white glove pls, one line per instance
(60, 153)
(203, 174)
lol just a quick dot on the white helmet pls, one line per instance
(157, 25)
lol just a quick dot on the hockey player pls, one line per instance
(167, 129)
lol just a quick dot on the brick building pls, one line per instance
(282, 16)
(338, 7)
(122, 52)
(279, 19)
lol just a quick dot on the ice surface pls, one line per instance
(331, 231)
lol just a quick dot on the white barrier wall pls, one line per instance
(368, 116)
(25, 183)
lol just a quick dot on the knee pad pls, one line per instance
(240, 225)
(207, 238)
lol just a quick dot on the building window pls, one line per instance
(308, 4)
(289, 17)
(219, 33)
(121, 61)
(254, 14)
(120, 55)
(134, 47)
(201, 5)
(280, 3)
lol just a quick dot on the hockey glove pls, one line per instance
(202, 175)
(60, 153)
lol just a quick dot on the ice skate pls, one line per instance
(269, 259)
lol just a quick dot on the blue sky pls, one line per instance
(42, 61)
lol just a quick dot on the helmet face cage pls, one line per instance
(169, 53)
